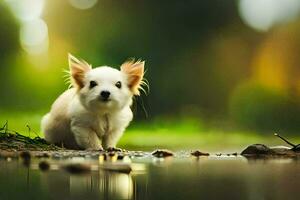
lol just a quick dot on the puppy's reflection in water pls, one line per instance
(106, 185)
(95, 185)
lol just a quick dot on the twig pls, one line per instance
(293, 145)
(29, 130)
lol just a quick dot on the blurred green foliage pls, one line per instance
(9, 34)
(258, 107)
(200, 58)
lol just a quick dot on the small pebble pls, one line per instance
(199, 153)
(161, 153)
(44, 166)
(257, 149)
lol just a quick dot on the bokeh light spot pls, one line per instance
(27, 10)
(263, 14)
(34, 36)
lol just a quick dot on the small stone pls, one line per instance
(161, 153)
(257, 149)
(198, 153)
(44, 166)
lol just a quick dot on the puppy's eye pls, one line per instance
(118, 84)
(93, 84)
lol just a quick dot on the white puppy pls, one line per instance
(95, 112)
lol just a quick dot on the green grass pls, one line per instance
(20, 121)
(213, 141)
(181, 134)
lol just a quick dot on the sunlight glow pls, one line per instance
(263, 14)
(83, 4)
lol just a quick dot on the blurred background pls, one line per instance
(221, 73)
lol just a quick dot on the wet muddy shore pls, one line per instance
(38, 170)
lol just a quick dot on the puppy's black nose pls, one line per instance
(105, 94)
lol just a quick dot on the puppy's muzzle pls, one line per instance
(104, 95)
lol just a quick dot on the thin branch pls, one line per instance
(288, 142)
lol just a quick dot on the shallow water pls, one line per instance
(213, 177)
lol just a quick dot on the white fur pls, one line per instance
(80, 120)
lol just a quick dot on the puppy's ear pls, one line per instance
(135, 73)
(78, 69)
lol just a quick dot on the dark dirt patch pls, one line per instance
(12, 140)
